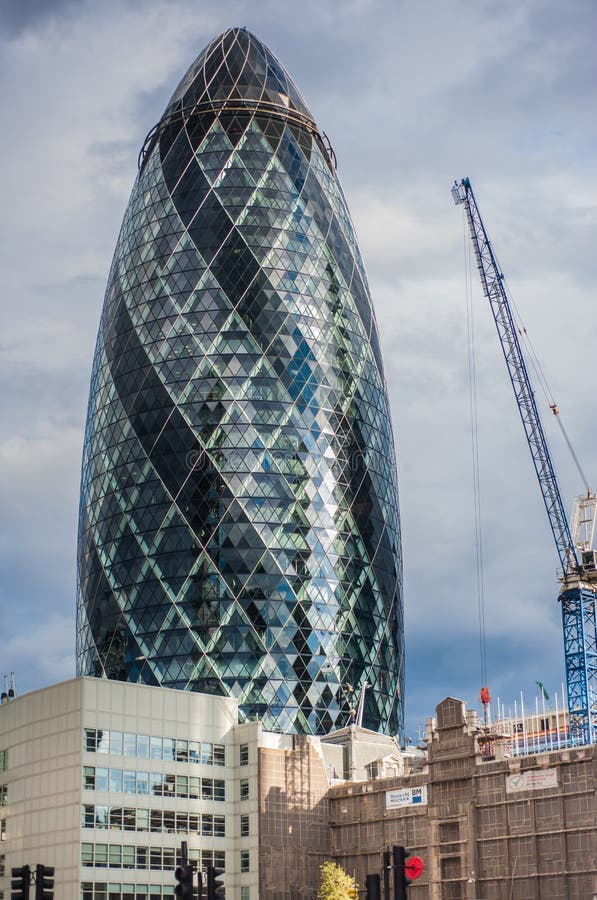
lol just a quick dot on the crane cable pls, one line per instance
(542, 380)
(474, 431)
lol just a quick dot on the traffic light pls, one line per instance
(184, 888)
(373, 886)
(387, 868)
(215, 887)
(19, 885)
(407, 868)
(400, 884)
(44, 882)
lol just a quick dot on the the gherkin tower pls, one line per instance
(239, 527)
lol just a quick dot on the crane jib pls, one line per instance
(492, 281)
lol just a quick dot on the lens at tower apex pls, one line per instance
(239, 528)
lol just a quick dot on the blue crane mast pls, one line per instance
(578, 590)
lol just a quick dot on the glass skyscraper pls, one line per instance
(239, 528)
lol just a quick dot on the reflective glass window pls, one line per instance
(130, 781)
(142, 786)
(142, 820)
(194, 787)
(130, 744)
(194, 751)
(101, 779)
(207, 753)
(116, 743)
(182, 751)
(219, 755)
(116, 780)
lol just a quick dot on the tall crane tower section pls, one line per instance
(578, 558)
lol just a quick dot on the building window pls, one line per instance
(3, 760)
(244, 861)
(215, 858)
(244, 826)
(131, 781)
(244, 754)
(2, 866)
(2, 829)
(244, 789)
(115, 891)
(145, 746)
(245, 893)
(219, 755)
(118, 818)
(116, 856)
(3, 794)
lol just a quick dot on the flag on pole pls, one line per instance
(544, 693)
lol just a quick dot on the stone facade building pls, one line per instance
(486, 824)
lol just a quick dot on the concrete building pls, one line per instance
(103, 779)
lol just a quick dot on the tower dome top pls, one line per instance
(237, 70)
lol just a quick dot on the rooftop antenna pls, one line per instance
(361, 706)
(12, 691)
(4, 694)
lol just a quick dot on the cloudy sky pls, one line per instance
(412, 96)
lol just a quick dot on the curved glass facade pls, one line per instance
(239, 526)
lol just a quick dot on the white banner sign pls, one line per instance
(416, 796)
(536, 779)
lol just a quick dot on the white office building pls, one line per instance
(104, 779)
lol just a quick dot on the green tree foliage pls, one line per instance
(336, 884)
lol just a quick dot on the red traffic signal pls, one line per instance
(406, 869)
(413, 867)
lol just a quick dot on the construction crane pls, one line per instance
(578, 558)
